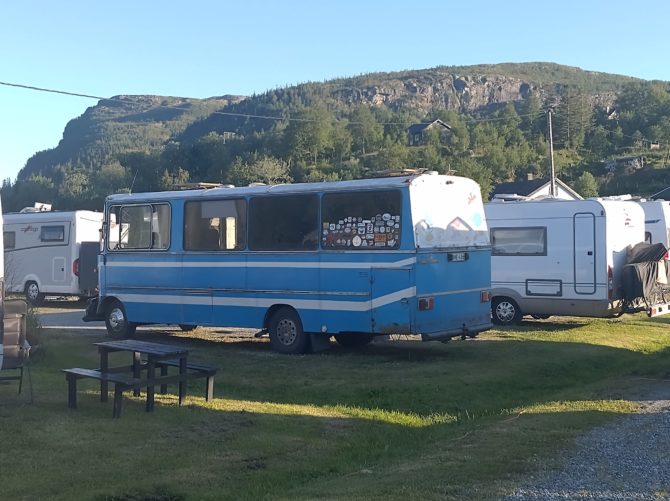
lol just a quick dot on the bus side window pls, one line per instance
(283, 222)
(215, 225)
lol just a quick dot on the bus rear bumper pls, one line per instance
(463, 332)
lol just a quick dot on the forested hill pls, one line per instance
(351, 127)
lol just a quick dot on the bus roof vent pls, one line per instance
(257, 184)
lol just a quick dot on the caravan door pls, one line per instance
(584, 229)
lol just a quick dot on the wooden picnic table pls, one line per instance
(147, 357)
(152, 353)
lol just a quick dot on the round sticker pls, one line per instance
(356, 241)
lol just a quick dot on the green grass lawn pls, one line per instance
(394, 420)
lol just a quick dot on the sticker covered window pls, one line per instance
(362, 220)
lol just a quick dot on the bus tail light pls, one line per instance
(75, 267)
(484, 296)
(426, 303)
(610, 283)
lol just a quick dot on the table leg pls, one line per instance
(137, 367)
(104, 365)
(151, 371)
(183, 369)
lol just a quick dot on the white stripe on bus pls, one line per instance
(258, 264)
(305, 304)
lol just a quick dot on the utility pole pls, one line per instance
(552, 174)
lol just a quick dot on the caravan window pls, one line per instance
(136, 227)
(215, 225)
(9, 239)
(52, 233)
(519, 241)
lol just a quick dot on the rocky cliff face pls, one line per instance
(463, 93)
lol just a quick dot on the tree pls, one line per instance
(573, 118)
(366, 133)
(170, 180)
(261, 169)
(586, 185)
(309, 134)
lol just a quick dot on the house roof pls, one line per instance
(527, 188)
(417, 128)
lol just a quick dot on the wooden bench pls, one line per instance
(194, 371)
(121, 382)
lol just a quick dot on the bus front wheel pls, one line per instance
(286, 334)
(117, 322)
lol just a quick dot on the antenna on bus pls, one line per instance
(133, 183)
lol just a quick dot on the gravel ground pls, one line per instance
(628, 459)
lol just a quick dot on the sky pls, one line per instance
(205, 48)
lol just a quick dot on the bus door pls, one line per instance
(196, 292)
(392, 293)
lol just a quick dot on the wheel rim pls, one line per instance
(116, 319)
(33, 291)
(286, 331)
(505, 311)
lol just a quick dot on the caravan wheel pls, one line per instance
(33, 294)
(505, 311)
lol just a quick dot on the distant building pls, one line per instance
(534, 189)
(417, 132)
(630, 163)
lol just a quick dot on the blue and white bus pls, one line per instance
(301, 262)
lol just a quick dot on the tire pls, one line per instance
(117, 322)
(505, 311)
(187, 328)
(286, 333)
(353, 340)
(33, 294)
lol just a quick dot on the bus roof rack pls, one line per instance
(201, 186)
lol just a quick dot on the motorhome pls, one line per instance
(51, 253)
(301, 262)
(560, 257)
(656, 221)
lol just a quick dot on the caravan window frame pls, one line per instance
(52, 233)
(9, 239)
(530, 230)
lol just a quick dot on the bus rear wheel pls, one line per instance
(353, 340)
(117, 322)
(286, 333)
(187, 328)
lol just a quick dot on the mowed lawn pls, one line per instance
(394, 420)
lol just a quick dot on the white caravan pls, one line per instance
(560, 257)
(656, 221)
(51, 253)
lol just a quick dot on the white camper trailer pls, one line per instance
(656, 221)
(51, 253)
(560, 257)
